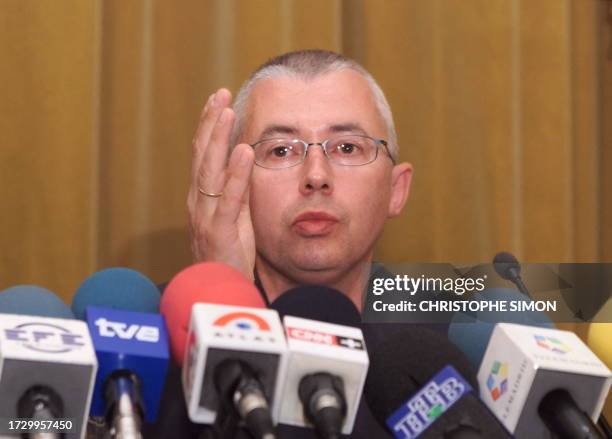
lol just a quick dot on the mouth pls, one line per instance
(310, 224)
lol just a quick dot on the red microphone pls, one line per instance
(230, 347)
(208, 282)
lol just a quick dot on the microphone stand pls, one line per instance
(241, 398)
(41, 403)
(124, 413)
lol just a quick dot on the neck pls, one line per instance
(351, 283)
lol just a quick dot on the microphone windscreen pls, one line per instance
(33, 300)
(116, 288)
(318, 303)
(503, 262)
(403, 363)
(471, 332)
(206, 282)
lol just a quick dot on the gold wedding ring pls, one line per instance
(210, 194)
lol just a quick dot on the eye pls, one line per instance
(280, 151)
(348, 148)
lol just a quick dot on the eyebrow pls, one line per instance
(279, 129)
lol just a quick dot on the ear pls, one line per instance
(401, 177)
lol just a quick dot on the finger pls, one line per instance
(196, 156)
(212, 173)
(210, 113)
(237, 186)
(208, 118)
(214, 161)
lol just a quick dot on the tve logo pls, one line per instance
(108, 328)
(437, 396)
(44, 337)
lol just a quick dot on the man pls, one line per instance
(310, 181)
(290, 211)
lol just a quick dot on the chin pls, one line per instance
(314, 277)
(317, 268)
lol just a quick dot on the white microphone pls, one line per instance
(47, 371)
(326, 372)
(539, 381)
(234, 361)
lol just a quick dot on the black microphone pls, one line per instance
(403, 368)
(327, 362)
(559, 412)
(318, 303)
(508, 267)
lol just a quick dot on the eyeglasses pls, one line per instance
(348, 150)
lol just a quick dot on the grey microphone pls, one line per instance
(47, 364)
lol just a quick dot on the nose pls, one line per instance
(317, 174)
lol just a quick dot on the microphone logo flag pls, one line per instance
(497, 381)
(552, 344)
(435, 398)
(251, 338)
(44, 337)
(129, 341)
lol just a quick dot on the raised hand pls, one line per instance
(218, 199)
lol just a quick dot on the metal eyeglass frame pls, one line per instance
(323, 145)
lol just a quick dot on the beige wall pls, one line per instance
(49, 95)
(502, 107)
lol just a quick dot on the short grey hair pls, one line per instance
(309, 64)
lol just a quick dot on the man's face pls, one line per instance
(316, 220)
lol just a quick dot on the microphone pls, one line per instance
(412, 401)
(130, 290)
(33, 300)
(131, 346)
(508, 267)
(598, 340)
(232, 356)
(47, 363)
(540, 380)
(471, 332)
(327, 363)
(209, 282)
(320, 303)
